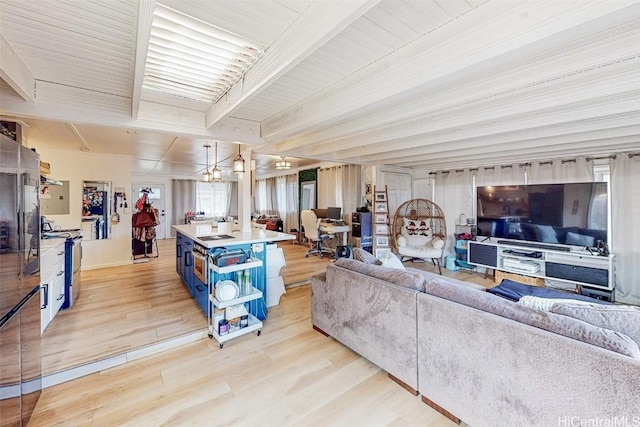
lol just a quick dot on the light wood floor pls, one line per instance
(290, 375)
(129, 307)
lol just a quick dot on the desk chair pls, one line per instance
(311, 225)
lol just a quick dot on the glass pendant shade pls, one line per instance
(217, 173)
(207, 175)
(283, 164)
(238, 163)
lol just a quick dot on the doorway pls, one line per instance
(157, 198)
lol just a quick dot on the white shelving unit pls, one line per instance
(254, 324)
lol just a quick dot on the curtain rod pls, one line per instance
(632, 155)
(590, 159)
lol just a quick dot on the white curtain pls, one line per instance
(561, 171)
(351, 190)
(625, 244)
(183, 200)
(454, 195)
(266, 201)
(232, 201)
(340, 186)
(292, 196)
(212, 198)
(500, 175)
(329, 191)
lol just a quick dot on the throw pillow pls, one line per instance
(416, 232)
(619, 318)
(579, 239)
(437, 243)
(543, 303)
(402, 241)
(547, 234)
(360, 254)
(392, 261)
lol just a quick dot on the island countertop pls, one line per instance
(256, 235)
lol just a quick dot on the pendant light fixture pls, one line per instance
(217, 173)
(283, 164)
(238, 163)
(207, 176)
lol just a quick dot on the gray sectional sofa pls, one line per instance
(477, 357)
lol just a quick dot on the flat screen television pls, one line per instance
(574, 214)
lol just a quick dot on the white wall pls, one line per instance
(76, 167)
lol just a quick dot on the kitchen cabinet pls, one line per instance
(52, 268)
(184, 261)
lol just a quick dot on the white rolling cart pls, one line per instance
(218, 275)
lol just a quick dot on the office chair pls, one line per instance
(311, 225)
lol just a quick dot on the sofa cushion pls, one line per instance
(562, 325)
(407, 279)
(621, 318)
(360, 254)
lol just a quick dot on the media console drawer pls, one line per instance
(594, 276)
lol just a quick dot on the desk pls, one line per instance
(332, 228)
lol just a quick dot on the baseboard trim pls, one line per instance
(321, 331)
(403, 384)
(441, 410)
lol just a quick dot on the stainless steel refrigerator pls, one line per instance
(20, 357)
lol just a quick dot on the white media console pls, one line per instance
(577, 266)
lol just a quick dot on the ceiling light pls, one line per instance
(238, 163)
(217, 173)
(207, 175)
(283, 164)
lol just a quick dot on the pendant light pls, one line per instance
(238, 163)
(207, 175)
(217, 173)
(283, 164)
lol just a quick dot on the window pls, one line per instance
(212, 198)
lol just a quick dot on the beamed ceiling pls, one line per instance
(433, 84)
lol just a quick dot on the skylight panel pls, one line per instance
(193, 59)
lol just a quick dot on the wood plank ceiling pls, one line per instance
(432, 84)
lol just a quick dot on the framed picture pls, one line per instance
(367, 189)
(381, 207)
(382, 229)
(381, 219)
(380, 196)
(381, 253)
(382, 241)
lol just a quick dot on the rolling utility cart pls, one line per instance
(230, 288)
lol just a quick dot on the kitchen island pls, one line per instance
(198, 246)
(230, 271)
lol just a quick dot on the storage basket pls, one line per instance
(533, 281)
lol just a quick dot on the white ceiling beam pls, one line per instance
(540, 139)
(531, 154)
(473, 40)
(15, 73)
(432, 129)
(318, 24)
(469, 102)
(145, 17)
(68, 104)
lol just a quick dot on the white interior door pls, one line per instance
(398, 189)
(157, 199)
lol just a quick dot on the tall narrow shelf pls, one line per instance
(381, 225)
